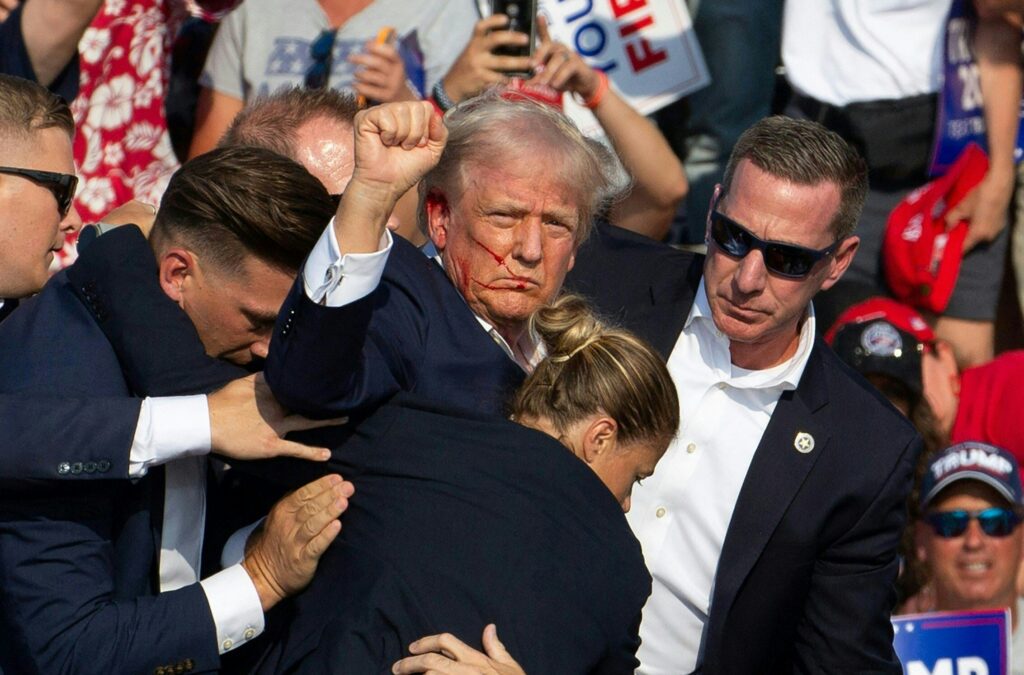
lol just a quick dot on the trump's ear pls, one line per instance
(438, 212)
(177, 268)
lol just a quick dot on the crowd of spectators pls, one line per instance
(361, 359)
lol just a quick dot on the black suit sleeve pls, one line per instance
(160, 353)
(845, 626)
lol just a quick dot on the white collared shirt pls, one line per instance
(681, 514)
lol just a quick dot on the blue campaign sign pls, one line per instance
(961, 115)
(953, 643)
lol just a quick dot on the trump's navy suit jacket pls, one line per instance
(413, 333)
(78, 559)
(805, 578)
(460, 520)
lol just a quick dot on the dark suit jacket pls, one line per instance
(460, 520)
(413, 333)
(805, 578)
(156, 345)
(92, 432)
(78, 560)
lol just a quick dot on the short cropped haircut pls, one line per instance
(27, 107)
(273, 121)
(490, 130)
(805, 153)
(231, 203)
(593, 367)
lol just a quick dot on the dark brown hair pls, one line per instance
(805, 153)
(592, 367)
(234, 202)
(26, 107)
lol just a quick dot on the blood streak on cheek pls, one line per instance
(501, 262)
(497, 258)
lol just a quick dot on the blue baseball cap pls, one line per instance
(973, 460)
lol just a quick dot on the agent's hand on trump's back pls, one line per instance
(282, 554)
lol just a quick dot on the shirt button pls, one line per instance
(722, 385)
(660, 513)
(691, 448)
(227, 644)
(250, 633)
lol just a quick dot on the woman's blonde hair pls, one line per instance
(594, 367)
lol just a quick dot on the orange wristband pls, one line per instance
(598, 95)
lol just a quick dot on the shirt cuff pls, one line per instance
(235, 606)
(169, 427)
(234, 550)
(335, 280)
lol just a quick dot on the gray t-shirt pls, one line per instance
(264, 45)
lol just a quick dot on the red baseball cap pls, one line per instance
(920, 257)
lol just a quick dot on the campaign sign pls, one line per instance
(961, 114)
(646, 47)
(953, 643)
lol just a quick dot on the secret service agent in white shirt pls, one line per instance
(682, 512)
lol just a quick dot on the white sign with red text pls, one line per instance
(646, 47)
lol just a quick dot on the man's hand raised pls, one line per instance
(395, 145)
(282, 555)
(247, 422)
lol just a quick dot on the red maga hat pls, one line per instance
(920, 256)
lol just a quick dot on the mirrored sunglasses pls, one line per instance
(995, 522)
(61, 185)
(787, 260)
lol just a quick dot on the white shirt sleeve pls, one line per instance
(235, 606)
(335, 280)
(170, 427)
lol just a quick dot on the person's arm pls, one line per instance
(214, 113)
(997, 48)
(659, 183)
(324, 322)
(845, 624)
(52, 29)
(62, 610)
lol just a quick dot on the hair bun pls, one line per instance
(567, 326)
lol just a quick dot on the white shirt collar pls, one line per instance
(785, 375)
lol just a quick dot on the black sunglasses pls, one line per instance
(995, 522)
(62, 185)
(787, 260)
(322, 53)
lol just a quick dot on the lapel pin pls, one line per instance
(803, 442)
